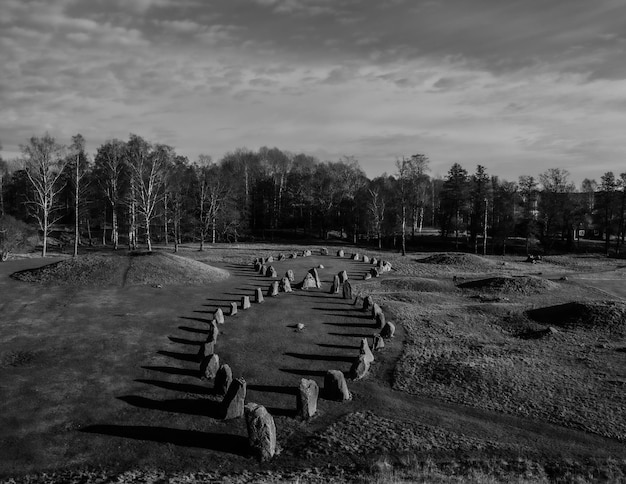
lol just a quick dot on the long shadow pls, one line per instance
(192, 357)
(340, 347)
(201, 320)
(345, 310)
(194, 330)
(196, 406)
(285, 390)
(220, 300)
(231, 444)
(179, 387)
(304, 356)
(295, 371)
(352, 325)
(282, 412)
(174, 371)
(356, 316)
(183, 341)
(352, 335)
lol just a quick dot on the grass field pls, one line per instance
(500, 370)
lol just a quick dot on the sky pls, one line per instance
(518, 86)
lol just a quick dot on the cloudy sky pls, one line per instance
(516, 85)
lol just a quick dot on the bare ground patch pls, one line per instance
(525, 285)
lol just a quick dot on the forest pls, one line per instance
(135, 193)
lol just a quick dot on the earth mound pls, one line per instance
(608, 316)
(136, 268)
(518, 284)
(458, 260)
(421, 284)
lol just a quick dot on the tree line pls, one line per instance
(136, 192)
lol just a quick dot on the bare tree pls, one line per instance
(211, 193)
(43, 164)
(78, 162)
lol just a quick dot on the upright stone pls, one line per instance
(289, 275)
(343, 277)
(218, 315)
(223, 379)
(368, 302)
(356, 256)
(262, 270)
(340, 253)
(334, 289)
(245, 302)
(323, 251)
(258, 295)
(374, 272)
(347, 290)
(380, 320)
(261, 431)
(206, 349)
(316, 276)
(257, 266)
(271, 272)
(367, 276)
(285, 285)
(273, 289)
(270, 259)
(374, 261)
(335, 386)
(366, 259)
(375, 310)
(267, 271)
(307, 253)
(359, 368)
(309, 281)
(281, 257)
(379, 343)
(365, 351)
(306, 402)
(213, 331)
(209, 366)
(233, 308)
(388, 330)
(234, 401)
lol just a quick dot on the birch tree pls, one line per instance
(44, 162)
(110, 167)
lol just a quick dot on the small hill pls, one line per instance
(136, 268)
(519, 284)
(421, 284)
(458, 260)
(609, 316)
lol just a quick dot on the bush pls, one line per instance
(13, 235)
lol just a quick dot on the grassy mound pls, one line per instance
(418, 284)
(520, 284)
(458, 260)
(605, 315)
(139, 268)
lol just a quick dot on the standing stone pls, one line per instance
(340, 253)
(233, 308)
(258, 295)
(343, 276)
(367, 276)
(267, 271)
(209, 366)
(368, 302)
(245, 302)
(273, 289)
(234, 401)
(375, 310)
(380, 320)
(374, 261)
(347, 290)
(309, 281)
(219, 316)
(293, 255)
(257, 266)
(261, 431)
(285, 285)
(356, 256)
(379, 343)
(334, 289)
(223, 379)
(271, 272)
(365, 351)
(374, 272)
(307, 253)
(270, 259)
(359, 368)
(306, 402)
(323, 251)
(335, 386)
(281, 257)
(213, 331)
(366, 259)
(262, 270)
(388, 330)
(380, 264)
(289, 275)
(206, 349)
(316, 276)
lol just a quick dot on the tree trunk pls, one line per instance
(213, 230)
(485, 231)
(165, 217)
(115, 234)
(45, 234)
(456, 231)
(403, 229)
(89, 233)
(148, 241)
(76, 227)
(421, 219)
